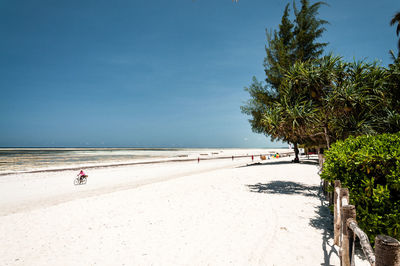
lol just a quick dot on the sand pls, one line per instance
(217, 212)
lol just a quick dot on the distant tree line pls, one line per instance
(313, 99)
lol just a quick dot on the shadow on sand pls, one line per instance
(306, 161)
(285, 187)
(309, 161)
(322, 221)
(265, 164)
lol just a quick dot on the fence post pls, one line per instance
(344, 196)
(324, 187)
(364, 241)
(347, 211)
(351, 236)
(331, 193)
(387, 251)
(336, 213)
(321, 159)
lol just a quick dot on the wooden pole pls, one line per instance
(324, 186)
(336, 212)
(321, 159)
(364, 241)
(387, 251)
(348, 211)
(344, 197)
(331, 194)
(343, 200)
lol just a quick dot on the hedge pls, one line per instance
(369, 166)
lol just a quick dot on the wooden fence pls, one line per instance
(387, 249)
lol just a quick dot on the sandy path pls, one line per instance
(215, 214)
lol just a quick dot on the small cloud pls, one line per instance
(245, 139)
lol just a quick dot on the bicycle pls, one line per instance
(80, 180)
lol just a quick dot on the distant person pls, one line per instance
(81, 175)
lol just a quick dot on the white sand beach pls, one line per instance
(216, 212)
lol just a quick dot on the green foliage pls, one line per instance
(279, 51)
(359, 100)
(396, 19)
(392, 84)
(324, 100)
(294, 41)
(370, 167)
(261, 98)
(308, 29)
(273, 112)
(314, 100)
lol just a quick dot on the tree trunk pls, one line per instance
(327, 137)
(296, 154)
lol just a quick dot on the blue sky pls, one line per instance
(152, 73)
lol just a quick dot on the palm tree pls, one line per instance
(309, 83)
(287, 121)
(396, 19)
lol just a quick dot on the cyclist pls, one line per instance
(81, 175)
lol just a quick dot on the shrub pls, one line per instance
(369, 166)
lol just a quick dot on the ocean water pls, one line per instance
(17, 160)
(31, 159)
